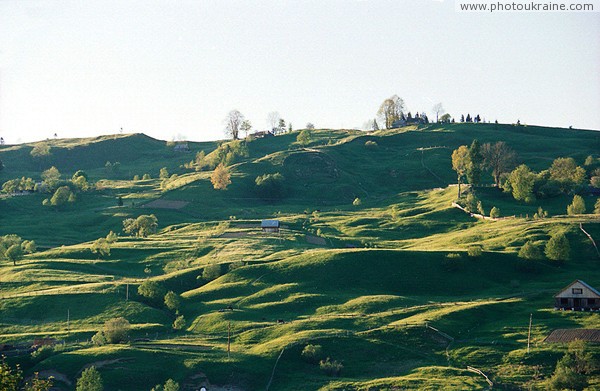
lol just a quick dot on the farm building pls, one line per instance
(578, 296)
(270, 226)
(568, 335)
(182, 147)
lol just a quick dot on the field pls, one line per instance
(389, 287)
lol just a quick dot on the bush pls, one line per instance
(495, 213)
(179, 323)
(99, 339)
(475, 251)
(357, 202)
(558, 248)
(577, 207)
(172, 301)
(90, 380)
(370, 143)
(331, 367)
(312, 353)
(530, 251)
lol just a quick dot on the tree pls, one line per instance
(530, 251)
(245, 127)
(495, 212)
(390, 110)
(312, 353)
(438, 109)
(170, 385)
(577, 207)
(310, 126)
(375, 126)
(61, 196)
(475, 163)
(11, 379)
(40, 150)
(567, 174)
(50, 178)
(80, 181)
(116, 330)
(521, 181)
(112, 237)
(469, 119)
(558, 248)
(90, 380)
(28, 246)
(179, 323)
(499, 158)
(462, 118)
(220, 178)
(281, 124)
(574, 368)
(270, 186)
(303, 137)
(101, 247)
(233, 121)
(273, 119)
(142, 226)
(597, 207)
(211, 271)
(14, 253)
(172, 301)
(460, 163)
(357, 202)
(152, 290)
(164, 173)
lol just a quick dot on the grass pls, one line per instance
(384, 273)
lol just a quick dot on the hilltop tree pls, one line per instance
(445, 118)
(462, 118)
(460, 163)
(51, 178)
(577, 207)
(281, 124)
(245, 127)
(310, 126)
(375, 126)
(499, 158)
(90, 380)
(142, 226)
(438, 109)
(390, 110)
(220, 178)
(475, 163)
(273, 119)
(303, 137)
(233, 121)
(469, 119)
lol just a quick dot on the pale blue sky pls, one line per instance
(81, 68)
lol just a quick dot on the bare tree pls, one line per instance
(391, 110)
(233, 121)
(438, 110)
(499, 158)
(273, 119)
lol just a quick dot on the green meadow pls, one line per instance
(389, 287)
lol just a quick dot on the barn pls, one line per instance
(270, 226)
(577, 296)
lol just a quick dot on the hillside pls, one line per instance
(389, 286)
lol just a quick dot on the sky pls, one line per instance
(174, 69)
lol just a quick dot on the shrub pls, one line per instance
(540, 214)
(172, 301)
(577, 207)
(370, 143)
(495, 213)
(530, 251)
(475, 251)
(331, 367)
(471, 203)
(90, 380)
(357, 202)
(99, 339)
(558, 248)
(312, 353)
(179, 323)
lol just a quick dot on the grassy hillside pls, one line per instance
(388, 287)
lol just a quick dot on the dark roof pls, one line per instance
(568, 335)
(270, 224)
(594, 290)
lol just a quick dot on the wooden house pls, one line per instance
(270, 226)
(577, 296)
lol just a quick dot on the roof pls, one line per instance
(593, 290)
(270, 224)
(568, 335)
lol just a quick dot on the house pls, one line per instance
(263, 133)
(182, 147)
(578, 296)
(270, 226)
